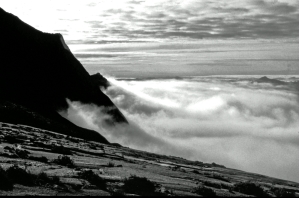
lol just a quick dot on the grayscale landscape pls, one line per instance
(149, 98)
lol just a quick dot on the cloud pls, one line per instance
(276, 7)
(202, 19)
(231, 121)
(164, 19)
(88, 56)
(132, 135)
(238, 123)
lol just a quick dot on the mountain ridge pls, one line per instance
(39, 72)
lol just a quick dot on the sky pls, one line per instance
(167, 38)
(93, 21)
(192, 58)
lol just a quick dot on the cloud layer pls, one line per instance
(196, 58)
(231, 121)
(93, 21)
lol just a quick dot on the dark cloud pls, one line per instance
(170, 19)
(275, 6)
(265, 19)
(156, 15)
(230, 10)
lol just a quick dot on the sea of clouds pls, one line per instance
(232, 121)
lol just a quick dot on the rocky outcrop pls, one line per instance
(265, 79)
(38, 71)
(292, 85)
(100, 81)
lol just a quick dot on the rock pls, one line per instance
(45, 71)
(37, 73)
(100, 81)
(265, 79)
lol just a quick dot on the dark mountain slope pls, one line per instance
(100, 80)
(18, 114)
(38, 71)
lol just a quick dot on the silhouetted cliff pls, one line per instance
(38, 71)
(265, 79)
(100, 80)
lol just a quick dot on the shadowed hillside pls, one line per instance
(39, 72)
(100, 80)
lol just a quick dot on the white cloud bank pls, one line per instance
(244, 125)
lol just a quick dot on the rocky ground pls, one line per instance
(39, 162)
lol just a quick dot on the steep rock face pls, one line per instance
(38, 71)
(100, 81)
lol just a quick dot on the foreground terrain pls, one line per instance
(49, 163)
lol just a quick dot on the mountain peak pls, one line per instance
(39, 72)
(265, 79)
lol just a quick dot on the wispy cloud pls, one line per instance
(227, 120)
(231, 121)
